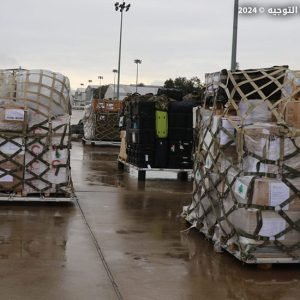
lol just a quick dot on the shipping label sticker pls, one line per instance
(6, 178)
(272, 226)
(208, 162)
(278, 193)
(133, 138)
(241, 189)
(121, 121)
(14, 114)
(59, 154)
(198, 176)
(224, 137)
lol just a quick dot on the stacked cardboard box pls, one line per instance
(247, 165)
(34, 133)
(101, 120)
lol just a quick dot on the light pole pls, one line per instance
(234, 35)
(115, 71)
(100, 77)
(137, 62)
(120, 7)
(89, 94)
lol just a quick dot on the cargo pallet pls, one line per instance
(264, 260)
(182, 173)
(261, 262)
(37, 198)
(100, 143)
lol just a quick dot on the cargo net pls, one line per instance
(247, 164)
(47, 159)
(101, 124)
(34, 134)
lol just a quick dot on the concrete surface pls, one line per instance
(135, 246)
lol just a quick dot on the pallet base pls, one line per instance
(16, 198)
(182, 174)
(100, 143)
(264, 260)
(261, 262)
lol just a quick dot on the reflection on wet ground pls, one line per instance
(150, 250)
(238, 281)
(32, 231)
(47, 252)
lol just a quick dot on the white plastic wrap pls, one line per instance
(253, 111)
(45, 91)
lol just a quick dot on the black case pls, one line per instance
(175, 94)
(181, 148)
(143, 122)
(179, 120)
(180, 162)
(182, 106)
(143, 108)
(143, 159)
(161, 153)
(181, 134)
(140, 136)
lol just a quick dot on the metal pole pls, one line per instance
(119, 63)
(137, 76)
(137, 62)
(234, 35)
(114, 71)
(100, 89)
(114, 86)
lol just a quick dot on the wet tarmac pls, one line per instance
(123, 240)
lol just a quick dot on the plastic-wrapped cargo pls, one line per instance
(101, 121)
(246, 165)
(35, 131)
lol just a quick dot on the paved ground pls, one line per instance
(135, 246)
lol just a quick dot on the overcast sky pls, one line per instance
(80, 38)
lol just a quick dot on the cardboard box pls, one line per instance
(291, 113)
(248, 220)
(263, 140)
(12, 182)
(253, 111)
(47, 166)
(292, 84)
(224, 140)
(12, 118)
(123, 147)
(253, 165)
(13, 148)
(266, 192)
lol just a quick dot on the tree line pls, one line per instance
(187, 86)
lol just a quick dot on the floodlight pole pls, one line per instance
(121, 7)
(114, 71)
(137, 62)
(234, 35)
(100, 77)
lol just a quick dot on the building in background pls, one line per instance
(92, 92)
(84, 96)
(126, 90)
(79, 98)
